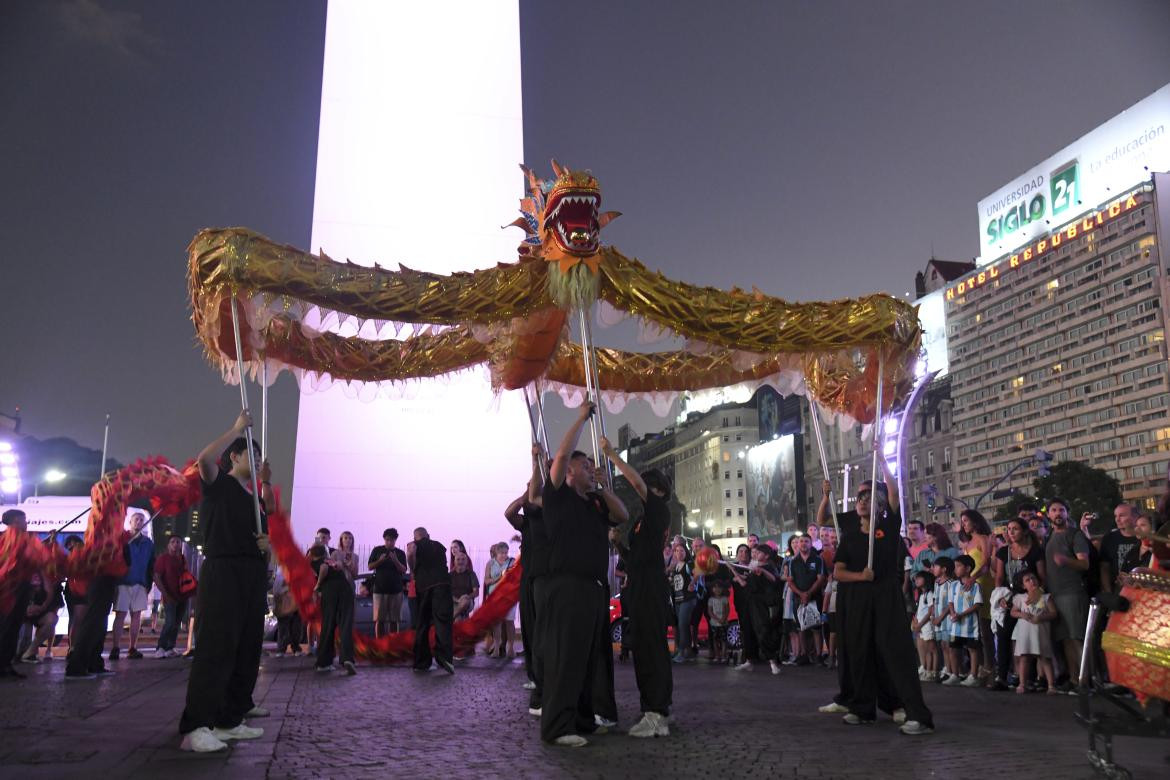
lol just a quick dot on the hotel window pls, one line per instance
(727, 513)
(741, 511)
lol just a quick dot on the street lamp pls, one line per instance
(9, 470)
(51, 476)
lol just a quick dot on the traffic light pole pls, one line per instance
(1040, 458)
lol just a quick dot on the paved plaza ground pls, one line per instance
(389, 722)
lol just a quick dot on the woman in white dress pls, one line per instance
(1035, 611)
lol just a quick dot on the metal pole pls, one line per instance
(244, 405)
(105, 448)
(263, 407)
(815, 414)
(590, 395)
(538, 391)
(877, 430)
(599, 417)
(532, 419)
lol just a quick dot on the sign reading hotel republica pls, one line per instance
(1079, 178)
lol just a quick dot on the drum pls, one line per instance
(1137, 642)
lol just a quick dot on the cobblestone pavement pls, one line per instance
(390, 721)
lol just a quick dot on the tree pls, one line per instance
(1011, 508)
(1086, 489)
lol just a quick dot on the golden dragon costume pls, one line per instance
(514, 318)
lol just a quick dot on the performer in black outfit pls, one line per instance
(571, 608)
(428, 566)
(877, 647)
(525, 516)
(646, 597)
(232, 598)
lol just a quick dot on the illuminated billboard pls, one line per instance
(772, 487)
(1080, 177)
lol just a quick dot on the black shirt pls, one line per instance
(1121, 553)
(534, 546)
(334, 578)
(430, 565)
(804, 573)
(648, 536)
(387, 578)
(680, 580)
(889, 551)
(228, 518)
(1014, 567)
(578, 532)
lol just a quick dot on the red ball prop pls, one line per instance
(707, 561)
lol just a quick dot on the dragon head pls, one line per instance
(562, 219)
(570, 218)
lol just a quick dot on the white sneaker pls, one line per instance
(899, 716)
(241, 731)
(923, 675)
(972, 681)
(571, 740)
(325, 669)
(652, 724)
(913, 728)
(604, 723)
(833, 708)
(775, 667)
(529, 686)
(201, 740)
(854, 720)
(174, 654)
(746, 666)
(160, 653)
(257, 712)
(953, 680)
(350, 668)
(535, 711)
(921, 670)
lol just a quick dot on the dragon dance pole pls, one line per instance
(263, 407)
(105, 448)
(877, 432)
(815, 413)
(592, 367)
(590, 391)
(538, 392)
(533, 422)
(244, 404)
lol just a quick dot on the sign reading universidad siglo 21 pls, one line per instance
(1080, 177)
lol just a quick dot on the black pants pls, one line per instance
(10, 625)
(696, 618)
(436, 608)
(571, 611)
(647, 603)
(877, 641)
(288, 632)
(768, 636)
(1003, 648)
(527, 623)
(336, 618)
(232, 601)
(89, 635)
(747, 634)
(536, 654)
(604, 703)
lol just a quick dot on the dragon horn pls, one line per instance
(607, 217)
(557, 169)
(520, 222)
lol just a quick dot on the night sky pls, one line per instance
(814, 150)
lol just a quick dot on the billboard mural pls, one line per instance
(772, 481)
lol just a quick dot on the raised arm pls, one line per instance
(208, 460)
(824, 515)
(560, 464)
(891, 484)
(512, 513)
(628, 471)
(618, 513)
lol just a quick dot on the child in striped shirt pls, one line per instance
(943, 569)
(966, 599)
